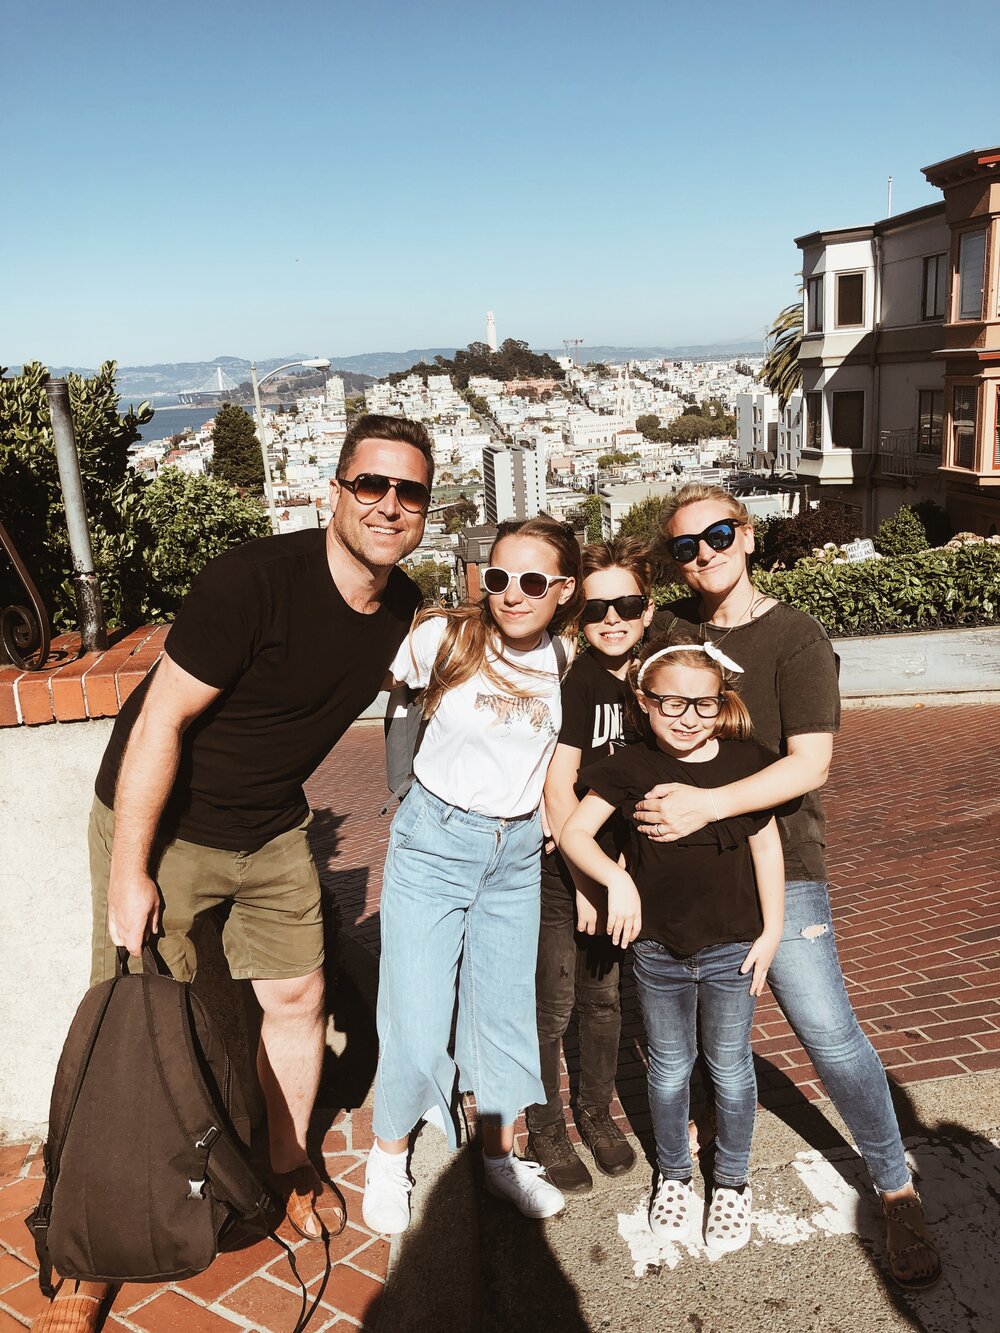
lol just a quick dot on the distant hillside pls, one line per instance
(687, 352)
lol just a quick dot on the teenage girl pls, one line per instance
(460, 900)
(576, 969)
(700, 922)
(790, 688)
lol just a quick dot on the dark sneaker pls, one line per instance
(612, 1151)
(550, 1147)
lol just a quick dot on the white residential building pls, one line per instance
(513, 482)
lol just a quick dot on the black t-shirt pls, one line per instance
(699, 890)
(593, 722)
(789, 684)
(266, 624)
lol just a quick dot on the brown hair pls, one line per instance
(733, 721)
(471, 634)
(397, 429)
(627, 553)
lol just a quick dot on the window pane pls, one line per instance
(964, 425)
(996, 432)
(850, 299)
(971, 264)
(935, 284)
(847, 426)
(814, 421)
(931, 421)
(815, 303)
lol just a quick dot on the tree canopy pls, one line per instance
(513, 360)
(782, 373)
(236, 457)
(149, 539)
(643, 520)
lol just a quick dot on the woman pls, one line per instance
(460, 899)
(790, 687)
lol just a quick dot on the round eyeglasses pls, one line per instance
(370, 487)
(676, 705)
(717, 537)
(532, 583)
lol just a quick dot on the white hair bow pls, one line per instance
(708, 647)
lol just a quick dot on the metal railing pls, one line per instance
(896, 452)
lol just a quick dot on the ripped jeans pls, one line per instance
(806, 980)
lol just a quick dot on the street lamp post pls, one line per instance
(313, 363)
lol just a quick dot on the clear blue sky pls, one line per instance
(189, 180)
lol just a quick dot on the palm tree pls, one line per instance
(782, 373)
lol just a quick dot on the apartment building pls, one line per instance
(768, 438)
(900, 353)
(513, 482)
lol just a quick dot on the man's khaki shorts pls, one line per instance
(274, 927)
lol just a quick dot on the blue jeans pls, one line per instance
(807, 982)
(459, 922)
(679, 997)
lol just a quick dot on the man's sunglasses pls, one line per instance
(717, 536)
(532, 583)
(629, 607)
(370, 487)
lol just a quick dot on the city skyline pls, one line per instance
(202, 182)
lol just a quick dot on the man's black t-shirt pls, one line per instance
(266, 624)
(699, 890)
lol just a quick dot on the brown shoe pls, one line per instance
(76, 1312)
(612, 1151)
(315, 1208)
(550, 1147)
(913, 1258)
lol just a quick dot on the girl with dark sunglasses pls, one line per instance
(460, 901)
(577, 969)
(790, 688)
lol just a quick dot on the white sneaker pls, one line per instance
(525, 1185)
(673, 1211)
(386, 1203)
(728, 1226)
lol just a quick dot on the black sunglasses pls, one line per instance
(370, 487)
(717, 536)
(532, 583)
(628, 607)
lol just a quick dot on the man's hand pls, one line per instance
(672, 810)
(133, 911)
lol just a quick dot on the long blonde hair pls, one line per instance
(472, 645)
(733, 721)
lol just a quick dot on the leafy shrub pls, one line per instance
(928, 590)
(937, 524)
(902, 534)
(787, 540)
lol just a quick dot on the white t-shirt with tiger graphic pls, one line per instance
(484, 750)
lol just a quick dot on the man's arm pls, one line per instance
(680, 810)
(148, 770)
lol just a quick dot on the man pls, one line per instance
(278, 648)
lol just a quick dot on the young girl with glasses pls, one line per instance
(579, 969)
(460, 900)
(790, 688)
(705, 911)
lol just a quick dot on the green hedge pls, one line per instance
(931, 590)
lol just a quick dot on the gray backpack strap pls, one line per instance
(559, 648)
(404, 729)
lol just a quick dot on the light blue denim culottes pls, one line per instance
(460, 909)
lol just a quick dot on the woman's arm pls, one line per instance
(675, 810)
(769, 871)
(560, 781)
(578, 845)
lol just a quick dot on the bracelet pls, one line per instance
(715, 808)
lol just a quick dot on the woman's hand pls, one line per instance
(759, 958)
(672, 810)
(624, 910)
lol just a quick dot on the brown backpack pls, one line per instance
(146, 1175)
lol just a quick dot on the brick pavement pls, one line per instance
(914, 850)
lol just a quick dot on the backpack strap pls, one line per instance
(169, 1023)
